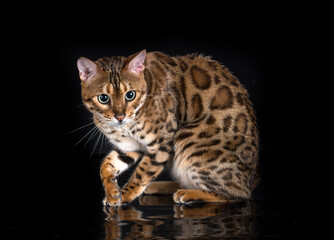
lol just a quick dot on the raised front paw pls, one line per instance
(113, 195)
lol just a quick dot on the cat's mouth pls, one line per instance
(118, 124)
(121, 124)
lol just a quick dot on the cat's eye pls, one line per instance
(130, 95)
(103, 98)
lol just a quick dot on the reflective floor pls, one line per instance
(243, 220)
(62, 207)
(157, 217)
(171, 221)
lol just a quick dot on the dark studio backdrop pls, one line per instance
(50, 167)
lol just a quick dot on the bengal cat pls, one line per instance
(187, 111)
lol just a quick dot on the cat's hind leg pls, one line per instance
(205, 169)
(197, 195)
(162, 187)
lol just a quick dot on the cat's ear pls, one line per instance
(136, 64)
(87, 68)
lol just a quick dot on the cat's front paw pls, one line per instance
(113, 195)
(128, 196)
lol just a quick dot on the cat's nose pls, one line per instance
(120, 117)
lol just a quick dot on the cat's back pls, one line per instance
(204, 88)
(206, 76)
(200, 74)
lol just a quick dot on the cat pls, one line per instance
(188, 113)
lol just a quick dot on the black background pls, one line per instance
(44, 172)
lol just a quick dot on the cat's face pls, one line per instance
(114, 94)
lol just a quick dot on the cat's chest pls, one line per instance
(123, 140)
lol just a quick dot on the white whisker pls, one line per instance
(94, 133)
(80, 127)
(95, 145)
(102, 140)
(80, 105)
(93, 129)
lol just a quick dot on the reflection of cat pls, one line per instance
(190, 110)
(214, 220)
(232, 220)
(141, 229)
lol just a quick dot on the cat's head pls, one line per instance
(113, 89)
